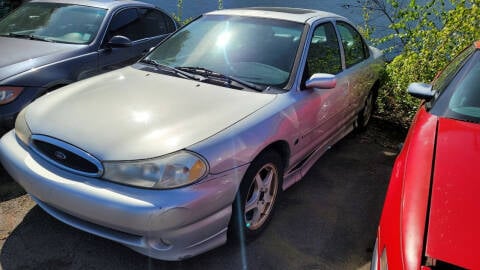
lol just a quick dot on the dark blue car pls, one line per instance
(8, 5)
(47, 44)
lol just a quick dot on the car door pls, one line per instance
(321, 110)
(358, 68)
(145, 27)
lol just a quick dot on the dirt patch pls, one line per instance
(8, 188)
(384, 133)
(11, 214)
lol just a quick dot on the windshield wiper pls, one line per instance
(28, 36)
(173, 70)
(228, 79)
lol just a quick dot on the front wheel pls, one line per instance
(257, 196)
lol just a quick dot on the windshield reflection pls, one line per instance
(53, 22)
(260, 51)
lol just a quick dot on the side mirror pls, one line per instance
(421, 90)
(119, 41)
(322, 81)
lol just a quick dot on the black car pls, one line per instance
(8, 5)
(47, 44)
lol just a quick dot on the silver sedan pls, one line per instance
(197, 141)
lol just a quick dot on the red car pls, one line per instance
(431, 215)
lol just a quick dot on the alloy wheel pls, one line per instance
(261, 196)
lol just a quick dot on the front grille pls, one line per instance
(66, 156)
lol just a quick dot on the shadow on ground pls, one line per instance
(9, 189)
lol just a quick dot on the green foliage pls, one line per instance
(178, 16)
(432, 35)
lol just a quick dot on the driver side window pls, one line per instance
(324, 52)
(141, 23)
(123, 24)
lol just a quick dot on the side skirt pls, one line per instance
(301, 169)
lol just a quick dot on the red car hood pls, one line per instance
(453, 231)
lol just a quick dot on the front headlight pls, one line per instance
(9, 93)
(171, 171)
(21, 128)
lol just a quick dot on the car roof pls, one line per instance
(105, 4)
(280, 13)
(477, 44)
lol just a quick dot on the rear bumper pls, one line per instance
(164, 224)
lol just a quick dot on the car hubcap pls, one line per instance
(261, 196)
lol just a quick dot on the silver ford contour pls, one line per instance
(198, 139)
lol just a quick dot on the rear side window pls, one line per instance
(353, 45)
(140, 23)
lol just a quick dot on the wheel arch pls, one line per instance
(282, 148)
(375, 89)
(238, 226)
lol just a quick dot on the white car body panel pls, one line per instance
(148, 108)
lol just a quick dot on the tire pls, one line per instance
(257, 197)
(365, 114)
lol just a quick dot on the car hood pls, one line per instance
(18, 55)
(453, 223)
(131, 114)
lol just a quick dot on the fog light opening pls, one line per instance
(159, 244)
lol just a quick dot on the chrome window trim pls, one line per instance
(77, 151)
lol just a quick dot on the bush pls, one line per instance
(182, 21)
(431, 35)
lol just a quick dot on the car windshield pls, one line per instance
(259, 51)
(53, 22)
(461, 95)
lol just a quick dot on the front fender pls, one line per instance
(402, 224)
(240, 143)
(61, 72)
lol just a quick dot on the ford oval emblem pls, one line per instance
(60, 155)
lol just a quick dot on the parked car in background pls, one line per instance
(48, 44)
(201, 136)
(7, 6)
(429, 219)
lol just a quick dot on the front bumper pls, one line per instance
(164, 224)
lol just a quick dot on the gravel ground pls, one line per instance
(326, 221)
